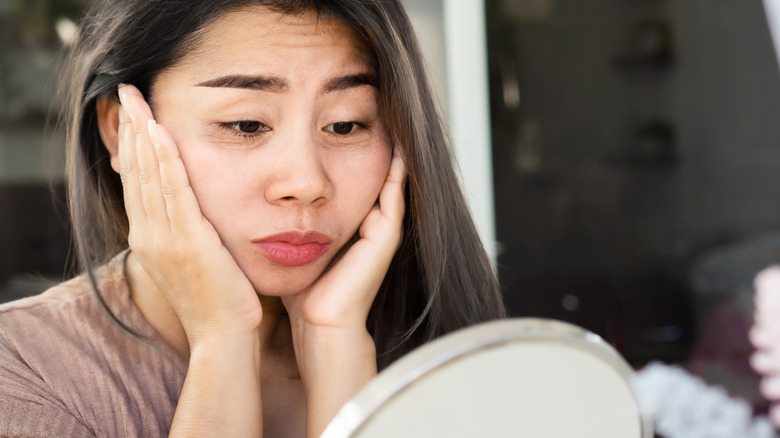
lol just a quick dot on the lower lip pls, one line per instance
(289, 254)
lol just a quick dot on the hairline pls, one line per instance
(189, 47)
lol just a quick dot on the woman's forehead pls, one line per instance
(255, 48)
(244, 32)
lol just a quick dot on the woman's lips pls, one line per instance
(294, 248)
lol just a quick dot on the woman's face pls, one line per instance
(277, 122)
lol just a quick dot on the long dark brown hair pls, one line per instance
(440, 279)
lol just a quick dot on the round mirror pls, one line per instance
(507, 378)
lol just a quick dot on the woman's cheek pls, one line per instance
(364, 180)
(219, 182)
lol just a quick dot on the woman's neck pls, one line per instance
(151, 301)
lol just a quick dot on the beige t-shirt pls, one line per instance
(68, 370)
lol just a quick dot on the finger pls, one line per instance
(180, 201)
(148, 168)
(391, 198)
(128, 165)
(398, 153)
(149, 177)
(774, 414)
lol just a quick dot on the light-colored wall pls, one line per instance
(453, 39)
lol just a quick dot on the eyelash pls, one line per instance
(355, 125)
(233, 128)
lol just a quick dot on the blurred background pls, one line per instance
(632, 162)
(34, 230)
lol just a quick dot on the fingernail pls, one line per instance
(122, 92)
(153, 135)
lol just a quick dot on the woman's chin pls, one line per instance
(276, 280)
(283, 285)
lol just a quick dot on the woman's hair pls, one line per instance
(440, 279)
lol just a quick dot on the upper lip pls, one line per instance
(296, 237)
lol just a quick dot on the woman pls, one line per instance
(281, 178)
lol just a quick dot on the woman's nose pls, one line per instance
(299, 175)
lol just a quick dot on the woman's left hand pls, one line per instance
(342, 296)
(336, 356)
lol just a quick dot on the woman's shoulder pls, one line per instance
(72, 293)
(33, 341)
(73, 306)
(64, 358)
(67, 320)
(61, 311)
(62, 306)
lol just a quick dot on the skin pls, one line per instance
(271, 348)
(765, 337)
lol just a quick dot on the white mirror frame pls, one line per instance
(403, 373)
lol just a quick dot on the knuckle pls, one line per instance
(162, 155)
(144, 176)
(125, 168)
(169, 190)
(138, 131)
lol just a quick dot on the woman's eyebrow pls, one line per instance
(278, 85)
(349, 81)
(262, 83)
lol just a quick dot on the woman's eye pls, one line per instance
(248, 126)
(343, 128)
(244, 127)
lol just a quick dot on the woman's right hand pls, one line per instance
(176, 246)
(184, 257)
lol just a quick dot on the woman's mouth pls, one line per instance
(293, 248)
